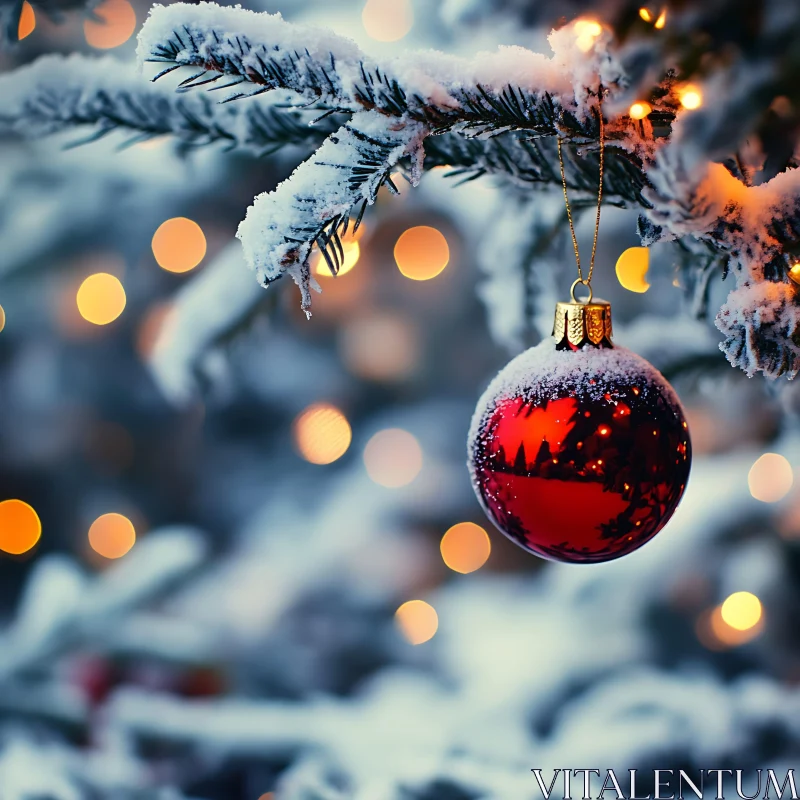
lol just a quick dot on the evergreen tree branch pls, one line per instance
(262, 52)
(102, 93)
(316, 204)
(528, 160)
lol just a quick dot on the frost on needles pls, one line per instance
(359, 120)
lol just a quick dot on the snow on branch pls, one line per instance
(512, 88)
(317, 201)
(58, 93)
(755, 229)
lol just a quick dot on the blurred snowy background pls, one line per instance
(262, 572)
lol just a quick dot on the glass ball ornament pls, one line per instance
(579, 450)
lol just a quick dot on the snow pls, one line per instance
(761, 323)
(278, 230)
(242, 40)
(206, 309)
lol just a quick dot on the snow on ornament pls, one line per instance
(579, 450)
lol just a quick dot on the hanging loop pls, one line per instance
(599, 197)
(581, 282)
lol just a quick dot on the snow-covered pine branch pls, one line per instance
(318, 199)
(58, 93)
(395, 107)
(511, 89)
(755, 230)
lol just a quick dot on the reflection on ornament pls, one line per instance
(632, 266)
(579, 450)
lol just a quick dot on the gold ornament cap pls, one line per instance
(581, 322)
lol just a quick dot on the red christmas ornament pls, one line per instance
(579, 450)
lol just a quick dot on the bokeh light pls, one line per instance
(393, 458)
(632, 267)
(322, 433)
(639, 110)
(27, 21)
(380, 346)
(724, 635)
(101, 298)
(691, 97)
(661, 21)
(179, 245)
(770, 478)
(417, 620)
(465, 547)
(645, 14)
(794, 273)
(112, 535)
(352, 252)
(741, 610)
(587, 30)
(421, 253)
(387, 20)
(114, 24)
(20, 527)
(2, 318)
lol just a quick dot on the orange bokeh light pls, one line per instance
(20, 527)
(112, 535)
(27, 21)
(639, 110)
(770, 478)
(465, 547)
(101, 298)
(417, 620)
(691, 97)
(179, 245)
(380, 346)
(114, 24)
(387, 20)
(322, 434)
(421, 253)
(2, 318)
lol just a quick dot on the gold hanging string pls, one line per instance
(587, 282)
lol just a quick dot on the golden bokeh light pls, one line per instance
(380, 346)
(2, 318)
(728, 636)
(770, 478)
(639, 110)
(417, 620)
(20, 527)
(179, 245)
(661, 21)
(587, 30)
(393, 458)
(632, 267)
(794, 273)
(421, 253)
(352, 252)
(387, 20)
(645, 14)
(691, 97)
(101, 298)
(322, 434)
(112, 535)
(465, 547)
(27, 21)
(114, 24)
(741, 611)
